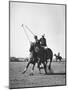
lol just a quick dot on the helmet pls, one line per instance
(43, 35)
(35, 37)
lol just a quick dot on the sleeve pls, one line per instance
(45, 42)
(30, 47)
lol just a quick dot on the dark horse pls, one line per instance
(58, 57)
(45, 55)
(40, 55)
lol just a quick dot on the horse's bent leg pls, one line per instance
(32, 72)
(33, 67)
(45, 67)
(39, 63)
(50, 64)
(26, 67)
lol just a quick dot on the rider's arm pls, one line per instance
(45, 42)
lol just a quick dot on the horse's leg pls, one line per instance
(45, 64)
(26, 67)
(45, 67)
(32, 72)
(34, 62)
(60, 59)
(39, 63)
(50, 64)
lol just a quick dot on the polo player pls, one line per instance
(43, 42)
(34, 48)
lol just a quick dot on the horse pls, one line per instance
(58, 58)
(45, 55)
(41, 55)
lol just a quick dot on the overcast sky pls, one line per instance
(41, 19)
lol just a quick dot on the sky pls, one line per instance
(41, 19)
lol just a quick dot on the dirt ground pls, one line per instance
(19, 80)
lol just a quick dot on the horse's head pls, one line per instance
(36, 49)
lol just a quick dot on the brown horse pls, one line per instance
(45, 55)
(40, 55)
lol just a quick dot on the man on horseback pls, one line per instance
(33, 56)
(36, 44)
(34, 48)
(39, 50)
(39, 55)
(58, 57)
(58, 54)
(43, 42)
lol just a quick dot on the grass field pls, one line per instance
(19, 80)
